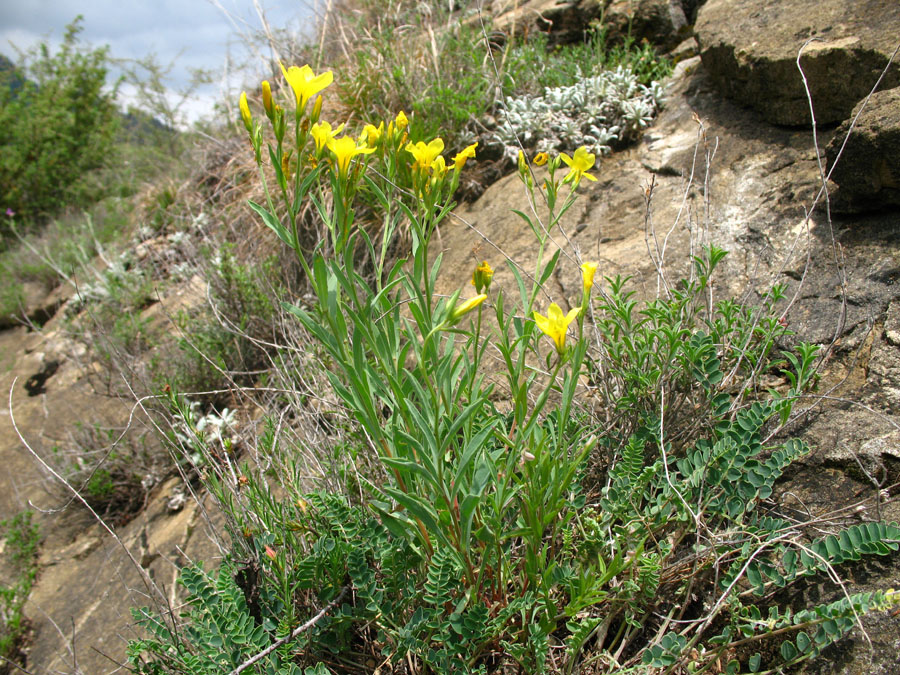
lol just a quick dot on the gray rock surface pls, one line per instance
(750, 50)
(868, 171)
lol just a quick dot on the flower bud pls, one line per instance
(461, 310)
(482, 277)
(588, 270)
(524, 172)
(267, 99)
(317, 110)
(245, 112)
(286, 166)
(279, 123)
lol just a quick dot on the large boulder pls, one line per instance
(868, 169)
(750, 49)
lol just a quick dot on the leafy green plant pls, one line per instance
(19, 565)
(501, 529)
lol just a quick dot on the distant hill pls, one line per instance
(10, 78)
(136, 125)
(142, 128)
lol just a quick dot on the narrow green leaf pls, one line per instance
(272, 223)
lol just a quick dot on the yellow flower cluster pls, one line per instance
(384, 137)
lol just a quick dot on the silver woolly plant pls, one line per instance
(594, 112)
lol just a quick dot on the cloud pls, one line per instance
(189, 34)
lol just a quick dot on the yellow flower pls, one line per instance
(267, 98)
(438, 168)
(425, 154)
(245, 111)
(305, 83)
(468, 152)
(371, 134)
(555, 325)
(323, 134)
(344, 149)
(401, 120)
(588, 270)
(578, 165)
(541, 158)
(522, 163)
(286, 166)
(482, 276)
(467, 307)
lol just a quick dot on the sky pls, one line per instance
(190, 33)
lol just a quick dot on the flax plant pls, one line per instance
(493, 491)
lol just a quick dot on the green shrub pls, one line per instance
(56, 128)
(113, 469)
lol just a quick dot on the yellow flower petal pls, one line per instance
(425, 154)
(371, 134)
(344, 149)
(578, 165)
(556, 324)
(468, 152)
(323, 134)
(588, 270)
(482, 276)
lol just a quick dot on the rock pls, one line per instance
(663, 23)
(35, 305)
(685, 50)
(868, 170)
(750, 50)
(892, 324)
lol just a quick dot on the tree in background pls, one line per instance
(57, 121)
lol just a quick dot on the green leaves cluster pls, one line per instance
(56, 127)
(19, 562)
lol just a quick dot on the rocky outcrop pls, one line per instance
(750, 50)
(663, 23)
(868, 170)
(660, 22)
